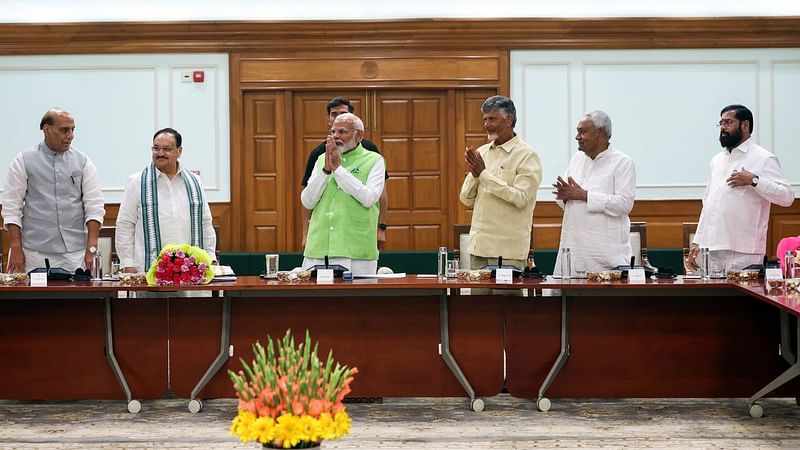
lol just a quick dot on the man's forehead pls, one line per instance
(345, 122)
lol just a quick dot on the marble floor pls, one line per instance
(420, 423)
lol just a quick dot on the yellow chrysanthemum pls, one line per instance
(341, 424)
(287, 430)
(244, 428)
(263, 428)
(309, 429)
(327, 429)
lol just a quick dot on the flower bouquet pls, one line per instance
(180, 265)
(290, 399)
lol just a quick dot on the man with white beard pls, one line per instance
(343, 191)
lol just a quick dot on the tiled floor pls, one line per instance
(420, 423)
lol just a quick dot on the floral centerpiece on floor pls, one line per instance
(289, 399)
(180, 265)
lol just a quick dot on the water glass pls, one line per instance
(441, 264)
(271, 265)
(566, 264)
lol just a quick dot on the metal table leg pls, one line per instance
(195, 405)
(475, 404)
(134, 406)
(543, 403)
(789, 374)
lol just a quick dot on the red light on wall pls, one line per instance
(198, 76)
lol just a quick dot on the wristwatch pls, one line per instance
(754, 183)
(382, 226)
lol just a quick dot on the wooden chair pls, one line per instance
(460, 242)
(107, 247)
(638, 240)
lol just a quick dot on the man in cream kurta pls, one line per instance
(745, 179)
(501, 186)
(597, 197)
(173, 185)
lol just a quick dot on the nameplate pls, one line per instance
(39, 279)
(773, 273)
(636, 276)
(505, 276)
(324, 276)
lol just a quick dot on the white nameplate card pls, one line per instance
(636, 276)
(505, 276)
(39, 279)
(324, 276)
(773, 273)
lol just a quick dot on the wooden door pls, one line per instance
(264, 173)
(410, 130)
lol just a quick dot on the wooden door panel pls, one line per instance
(264, 178)
(410, 128)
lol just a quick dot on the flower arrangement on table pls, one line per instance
(289, 399)
(180, 265)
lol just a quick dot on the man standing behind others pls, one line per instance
(597, 197)
(163, 204)
(343, 191)
(335, 107)
(745, 179)
(52, 201)
(501, 186)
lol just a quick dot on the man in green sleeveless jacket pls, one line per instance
(343, 191)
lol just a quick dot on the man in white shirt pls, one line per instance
(597, 197)
(343, 191)
(745, 179)
(52, 201)
(163, 204)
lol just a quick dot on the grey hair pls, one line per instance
(601, 121)
(501, 104)
(358, 124)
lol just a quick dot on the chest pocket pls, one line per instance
(508, 175)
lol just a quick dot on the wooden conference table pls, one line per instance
(408, 337)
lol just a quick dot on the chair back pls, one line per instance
(638, 240)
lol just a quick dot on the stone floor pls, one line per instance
(420, 423)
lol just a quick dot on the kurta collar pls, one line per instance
(506, 146)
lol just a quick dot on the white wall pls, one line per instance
(663, 104)
(118, 102)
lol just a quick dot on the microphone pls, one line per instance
(47, 264)
(633, 260)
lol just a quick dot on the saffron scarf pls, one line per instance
(150, 222)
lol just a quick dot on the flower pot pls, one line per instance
(315, 447)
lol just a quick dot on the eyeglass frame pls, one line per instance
(156, 149)
(727, 122)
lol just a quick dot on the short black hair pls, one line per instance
(339, 101)
(173, 132)
(741, 112)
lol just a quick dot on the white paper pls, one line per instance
(504, 276)
(773, 273)
(636, 276)
(324, 276)
(39, 279)
(382, 275)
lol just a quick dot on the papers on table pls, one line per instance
(223, 274)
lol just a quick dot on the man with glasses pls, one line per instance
(343, 193)
(335, 107)
(52, 201)
(745, 179)
(172, 199)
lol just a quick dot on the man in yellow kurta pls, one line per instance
(501, 186)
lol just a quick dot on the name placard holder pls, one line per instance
(324, 276)
(39, 279)
(773, 273)
(636, 276)
(505, 276)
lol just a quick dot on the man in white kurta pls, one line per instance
(174, 207)
(597, 197)
(745, 179)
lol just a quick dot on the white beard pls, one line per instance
(347, 145)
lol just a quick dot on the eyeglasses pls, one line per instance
(726, 122)
(156, 149)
